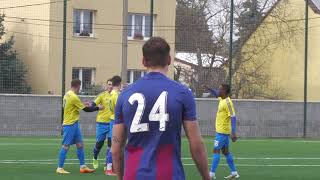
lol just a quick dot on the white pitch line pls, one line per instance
(268, 158)
(42, 163)
(59, 139)
(184, 158)
(207, 140)
(239, 165)
(93, 142)
(267, 140)
(275, 140)
(268, 165)
(35, 144)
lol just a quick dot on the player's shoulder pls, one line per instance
(101, 94)
(71, 94)
(228, 100)
(114, 92)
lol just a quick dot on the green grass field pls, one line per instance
(256, 159)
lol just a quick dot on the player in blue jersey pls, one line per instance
(225, 129)
(148, 119)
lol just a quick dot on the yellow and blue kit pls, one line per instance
(71, 130)
(103, 128)
(224, 123)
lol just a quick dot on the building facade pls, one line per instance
(94, 38)
(277, 47)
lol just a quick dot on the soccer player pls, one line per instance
(71, 129)
(102, 123)
(116, 83)
(150, 113)
(225, 128)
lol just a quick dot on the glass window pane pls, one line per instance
(76, 20)
(130, 25)
(86, 77)
(87, 22)
(147, 26)
(136, 75)
(75, 73)
(138, 25)
(128, 77)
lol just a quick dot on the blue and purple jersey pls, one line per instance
(153, 110)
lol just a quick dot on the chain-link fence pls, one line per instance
(265, 50)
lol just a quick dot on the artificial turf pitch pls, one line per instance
(35, 158)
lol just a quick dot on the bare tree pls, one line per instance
(203, 29)
(253, 50)
(196, 34)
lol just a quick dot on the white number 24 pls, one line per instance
(158, 112)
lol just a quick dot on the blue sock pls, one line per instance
(80, 154)
(215, 162)
(97, 149)
(109, 157)
(230, 162)
(62, 157)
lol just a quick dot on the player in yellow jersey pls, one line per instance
(225, 129)
(102, 123)
(71, 129)
(116, 86)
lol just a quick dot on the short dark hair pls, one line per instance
(116, 80)
(75, 83)
(226, 87)
(156, 52)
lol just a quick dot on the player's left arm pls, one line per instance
(233, 118)
(119, 138)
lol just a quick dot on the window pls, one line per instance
(83, 23)
(75, 73)
(139, 26)
(86, 75)
(133, 75)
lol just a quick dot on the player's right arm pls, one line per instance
(212, 91)
(97, 101)
(191, 127)
(77, 102)
(118, 142)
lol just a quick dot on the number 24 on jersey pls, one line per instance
(158, 112)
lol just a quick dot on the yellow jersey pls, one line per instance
(224, 114)
(105, 114)
(72, 106)
(114, 99)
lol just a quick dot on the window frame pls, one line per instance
(91, 35)
(131, 72)
(80, 69)
(132, 26)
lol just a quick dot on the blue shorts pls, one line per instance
(111, 127)
(221, 141)
(71, 134)
(102, 131)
